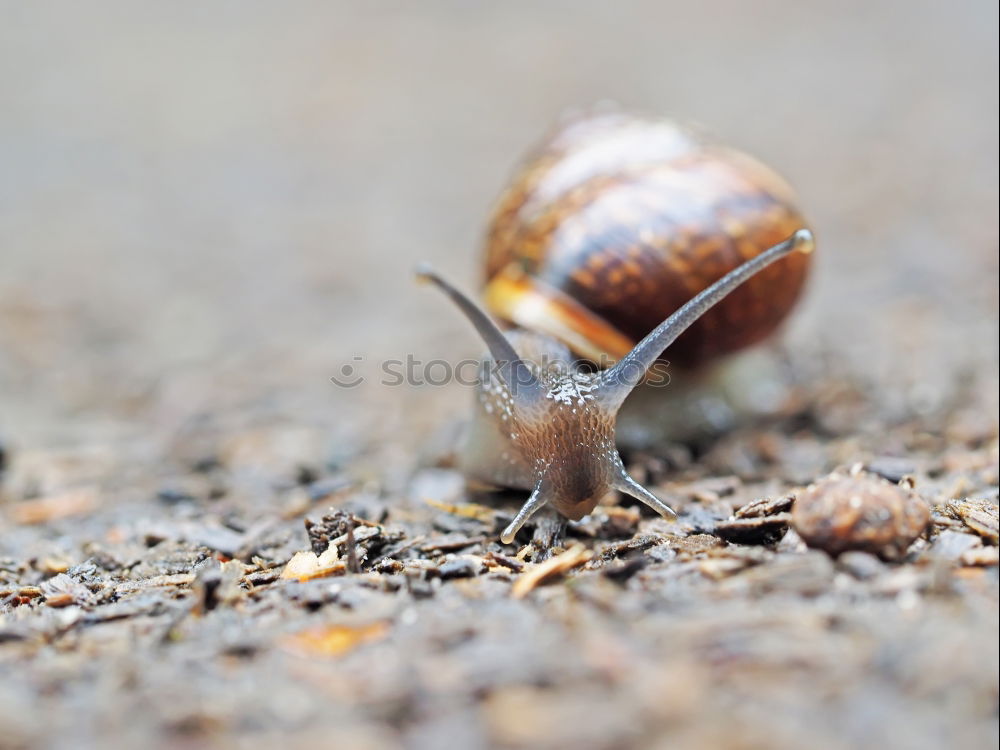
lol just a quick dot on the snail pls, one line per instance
(618, 236)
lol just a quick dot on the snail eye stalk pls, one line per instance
(520, 381)
(630, 370)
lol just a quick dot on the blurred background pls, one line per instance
(206, 209)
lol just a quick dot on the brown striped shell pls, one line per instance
(617, 221)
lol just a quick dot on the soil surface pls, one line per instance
(207, 214)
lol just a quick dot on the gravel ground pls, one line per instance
(206, 213)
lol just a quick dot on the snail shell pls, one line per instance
(616, 221)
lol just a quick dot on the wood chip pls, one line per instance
(496, 559)
(693, 545)
(177, 579)
(766, 506)
(637, 543)
(536, 574)
(978, 515)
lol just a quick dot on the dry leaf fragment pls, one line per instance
(333, 640)
(59, 600)
(175, 579)
(981, 556)
(561, 563)
(305, 566)
(52, 565)
(466, 510)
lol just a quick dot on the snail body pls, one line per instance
(620, 235)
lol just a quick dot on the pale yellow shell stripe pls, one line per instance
(531, 304)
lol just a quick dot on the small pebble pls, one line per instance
(460, 567)
(951, 545)
(859, 512)
(862, 565)
(891, 468)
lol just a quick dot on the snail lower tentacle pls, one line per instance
(533, 504)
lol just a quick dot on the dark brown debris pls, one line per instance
(765, 530)
(763, 521)
(328, 528)
(460, 567)
(505, 561)
(358, 541)
(637, 543)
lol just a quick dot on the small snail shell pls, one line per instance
(617, 238)
(616, 221)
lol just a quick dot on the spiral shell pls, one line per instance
(616, 221)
